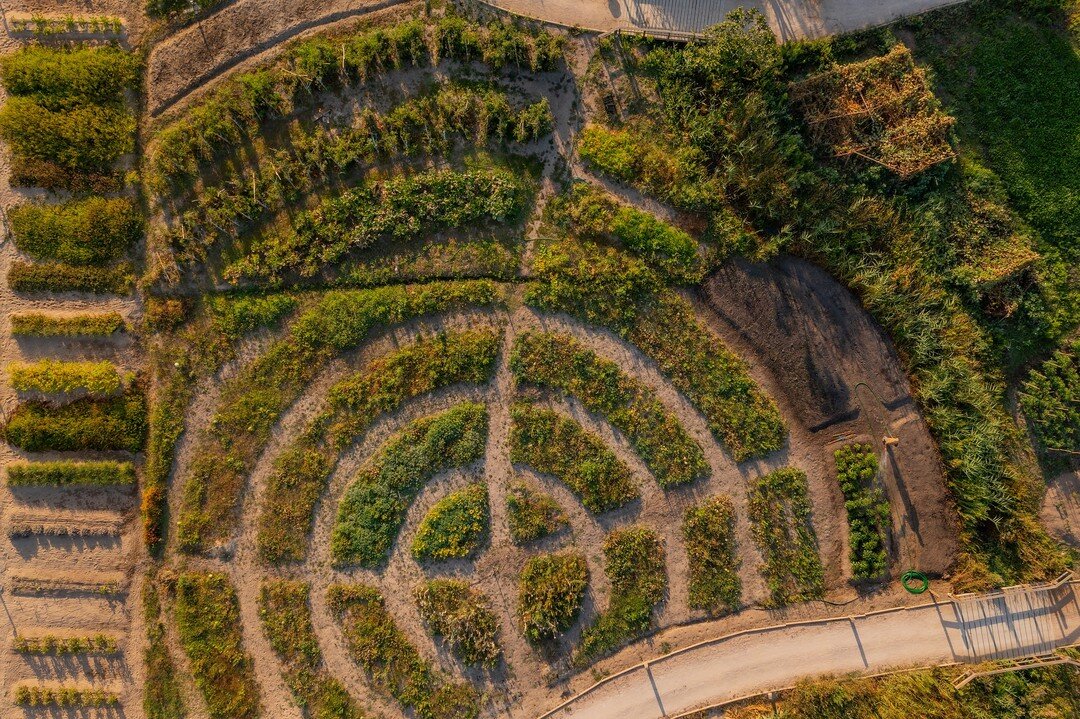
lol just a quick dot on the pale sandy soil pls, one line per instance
(1060, 512)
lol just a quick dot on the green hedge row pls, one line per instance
(254, 399)
(116, 423)
(34, 278)
(550, 591)
(780, 513)
(400, 209)
(50, 644)
(67, 697)
(553, 444)
(532, 514)
(285, 610)
(55, 376)
(208, 621)
(302, 470)
(867, 511)
(634, 563)
(709, 531)
(65, 473)
(462, 616)
(1050, 399)
(455, 526)
(58, 77)
(613, 289)
(374, 506)
(38, 324)
(92, 231)
(562, 363)
(393, 664)
(83, 138)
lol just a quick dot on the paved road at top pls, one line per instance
(790, 19)
(1001, 625)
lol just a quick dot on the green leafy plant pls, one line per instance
(392, 663)
(709, 531)
(455, 526)
(55, 376)
(51, 644)
(1050, 399)
(780, 512)
(634, 563)
(561, 362)
(550, 590)
(58, 77)
(462, 616)
(867, 511)
(208, 622)
(83, 138)
(557, 445)
(35, 278)
(116, 423)
(63, 696)
(38, 324)
(162, 697)
(532, 514)
(92, 231)
(67, 472)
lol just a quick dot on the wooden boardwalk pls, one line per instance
(1016, 623)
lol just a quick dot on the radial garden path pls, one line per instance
(789, 19)
(1002, 625)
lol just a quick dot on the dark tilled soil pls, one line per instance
(840, 378)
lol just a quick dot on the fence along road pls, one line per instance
(1010, 624)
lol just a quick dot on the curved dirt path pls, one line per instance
(199, 53)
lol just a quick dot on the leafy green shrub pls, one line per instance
(59, 77)
(392, 663)
(235, 317)
(1050, 399)
(462, 616)
(780, 512)
(634, 562)
(561, 362)
(52, 644)
(64, 473)
(374, 505)
(302, 470)
(208, 621)
(116, 423)
(84, 138)
(284, 607)
(455, 526)
(55, 277)
(454, 258)
(532, 514)
(162, 697)
(39, 324)
(557, 445)
(709, 532)
(613, 289)
(93, 231)
(398, 209)
(63, 696)
(867, 511)
(55, 376)
(252, 401)
(550, 591)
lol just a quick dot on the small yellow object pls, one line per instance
(890, 441)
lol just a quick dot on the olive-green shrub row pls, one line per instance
(57, 77)
(162, 696)
(562, 363)
(302, 470)
(553, 444)
(709, 531)
(116, 423)
(455, 526)
(610, 288)
(393, 664)
(399, 209)
(252, 401)
(867, 511)
(469, 255)
(462, 616)
(780, 513)
(91, 324)
(237, 111)
(532, 514)
(550, 590)
(56, 376)
(312, 158)
(208, 622)
(62, 696)
(1050, 399)
(35, 278)
(52, 644)
(92, 231)
(285, 610)
(634, 563)
(374, 506)
(67, 472)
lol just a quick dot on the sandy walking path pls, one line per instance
(748, 663)
(789, 19)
